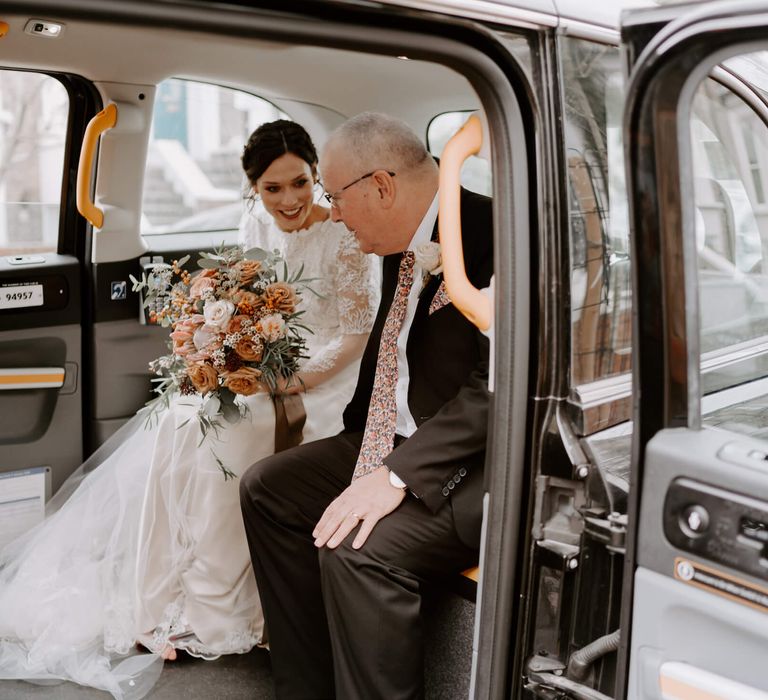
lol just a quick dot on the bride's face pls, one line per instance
(286, 189)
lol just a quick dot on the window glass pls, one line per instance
(476, 172)
(729, 146)
(34, 110)
(601, 326)
(194, 180)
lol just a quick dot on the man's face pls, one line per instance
(355, 202)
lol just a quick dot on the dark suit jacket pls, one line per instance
(442, 462)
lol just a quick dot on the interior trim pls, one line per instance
(31, 378)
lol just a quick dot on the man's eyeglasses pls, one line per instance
(333, 199)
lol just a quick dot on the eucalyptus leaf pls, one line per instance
(230, 412)
(256, 254)
(212, 406)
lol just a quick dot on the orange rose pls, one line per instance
(244, 381)
(280, 296)
(249, 349)
(203, 377)
(248, 270)
(236, 323)
(246, 302)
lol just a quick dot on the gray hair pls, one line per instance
(374, 141)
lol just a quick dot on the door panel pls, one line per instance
(41, 426)
(706, 582)
(698, 543)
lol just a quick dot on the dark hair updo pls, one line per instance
(275, 139)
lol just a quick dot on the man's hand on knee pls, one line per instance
(367, 499)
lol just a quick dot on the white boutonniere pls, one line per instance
(429, 258)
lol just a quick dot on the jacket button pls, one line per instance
(457, 478)
(451, 485)
(446, 492)
(462, 472)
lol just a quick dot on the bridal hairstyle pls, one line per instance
(272, 140)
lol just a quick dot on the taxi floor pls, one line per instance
(233, 677)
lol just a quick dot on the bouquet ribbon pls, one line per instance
(290, 417)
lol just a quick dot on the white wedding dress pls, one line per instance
(145, 541)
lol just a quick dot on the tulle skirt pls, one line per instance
(144, 542)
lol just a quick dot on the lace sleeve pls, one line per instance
(357, 286)
(356, 289)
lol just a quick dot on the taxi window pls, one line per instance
(193, 179)
(729, 142)
(34, 110)
(476, 172)
(601, 320)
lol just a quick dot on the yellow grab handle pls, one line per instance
(465, 296)
(104, 120)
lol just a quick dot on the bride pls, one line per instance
(145, 543)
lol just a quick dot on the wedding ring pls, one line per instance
(356, 516)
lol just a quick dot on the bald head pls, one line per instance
(375, 140)
(382, 179)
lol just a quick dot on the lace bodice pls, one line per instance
(346, 281)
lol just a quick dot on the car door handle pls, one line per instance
(103, 121)
(31, 378)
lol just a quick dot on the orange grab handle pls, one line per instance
(465, 296)
(104, 120)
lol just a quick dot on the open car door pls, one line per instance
(695, 617)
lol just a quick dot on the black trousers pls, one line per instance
(342, 623)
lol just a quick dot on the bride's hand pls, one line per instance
(290, 385)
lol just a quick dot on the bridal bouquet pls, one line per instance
(235, 330)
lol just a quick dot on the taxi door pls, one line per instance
(42, 271)
(695, 616)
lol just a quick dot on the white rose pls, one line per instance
(272, 327)
(429, 258)
(218, 313)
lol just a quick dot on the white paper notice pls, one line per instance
(22, 502)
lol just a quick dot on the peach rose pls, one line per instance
(203, 377)
(271, 327)
(249, 349)
(183, 348)
(205, 280)
(182, 337)
(204, 337)
(199, 356)
(244, 381)
(280, 296)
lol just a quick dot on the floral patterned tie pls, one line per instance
(379, 436)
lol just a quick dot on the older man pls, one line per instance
(342, 531)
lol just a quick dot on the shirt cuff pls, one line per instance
(396, 481)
